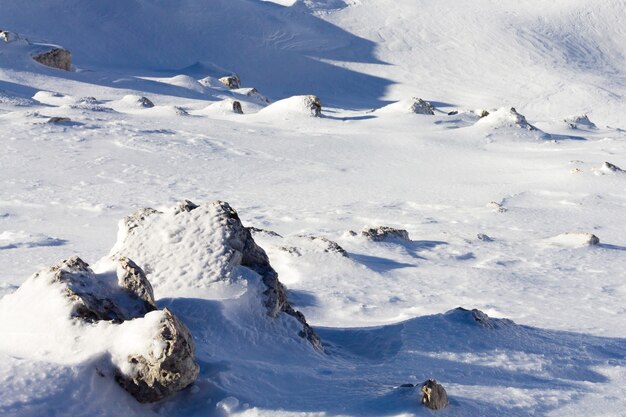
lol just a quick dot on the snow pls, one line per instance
(500, 216)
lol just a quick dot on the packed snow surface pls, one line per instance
(513, 195)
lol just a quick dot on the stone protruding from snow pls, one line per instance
(413, 105)
(168, 367)
(131, 277)
(574, 240)
(192, 249)
(137, 101)
(94, 297)
(7, 36)
(227, 106)
(479, 318)
(434, 396)
(254, 94)
(576, 122)
(231, 81)
(505, 118)
(609, 168)
(296, 105)
(58, 58)
(385, 234)
(58, 120)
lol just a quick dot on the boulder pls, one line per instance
(254, 94)
(434, 395)
(577, 122)
(169, 367)
(477, 317)
(231, 81)
(94, 298)
(419, 106)
(384, 233)
(58, 58)
(608, 167)
(55, 120)
(220, 245)
(414, 105)
(504, 118)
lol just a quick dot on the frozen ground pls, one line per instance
(487, 202)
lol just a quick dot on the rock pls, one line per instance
(231, 81)
(58, 58)
(139, 101)
(484, 237)
(384, 233)
(453, 113)
(56, 120)
(505, 118)
(309, 106)
(476, 316)
(164, 370)
(254, 94)
(420, 106)
(328, 246)
(574, 240)
(498, 207)
(152, 238)
(94, 299)
(224, 107)
(483, 113)
(407, 386)
(237, 107)
(7, 36)
(576, 122)
(434, 396)
(255, 230)
(313, 103)
(608, 167)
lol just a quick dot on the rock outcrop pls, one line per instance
(434, 396)
(505, 118)
(577, 122)
(58, 58)
(479, 318)
(231, 81)
(227, 244)
(384, 233)
(160, 372)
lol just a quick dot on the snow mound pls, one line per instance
(411, 106)
(253, 94)
(137, 102)
(204, 251)
(295, 106)
(227, 106)
(54, 99)
(183, 81)
(574, 240)
(20, 239)
(505, 118)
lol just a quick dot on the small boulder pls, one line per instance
(609, 168)
(384, 233)
(434, 395)
(420, 106)
(577, 122)
(58, 58)
(231, 81)
(169, 367)
(59, 120)
(574, 240)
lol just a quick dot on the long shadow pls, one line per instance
(282, 51)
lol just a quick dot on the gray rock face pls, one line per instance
(94, 298)
(231, 81)
(419, 106)
(132, 278)
(434, 396)
(384, 233)
(55, 58)
(520, 120)
(237, 107)
(158, 375)
(254, 257)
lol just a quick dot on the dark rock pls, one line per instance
(237, 107)
(484, 237)
(55, 58)
(162, 372)
(254, 230)
(56, 120)
(384, 233)
(314, 104)
(607, 166)
(292, 250)
(407, 386)
(453, 113)
(231, 81)
(185, 206)
(575, 122)
(133, 279)
(483, 113)
(420, 106)
(434, 396)
(329, 246)
(145, 102)
(476, 316)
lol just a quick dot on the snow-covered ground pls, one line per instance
(498, 209)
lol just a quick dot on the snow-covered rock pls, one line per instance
(434, 395)
(296, 105)
(137, 101)
(413, 105)
(227, 106)
(199, 250)
(579, 121)
(58, 58)
(574, 240)
(609, 168)
(157, 373)
(231, 81)
(254, 94)
(504, 118)
(385, 234)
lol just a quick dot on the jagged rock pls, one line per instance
(94, 299)
(166, 369)
(237, 107)
(254, 94)
(483, 113)
(476, 316)
(55, 58)
(254, 230)
(434, 396)
(419, 106)
(608, 167)
(56, 120)
(328, 246)
(151, 238)
(484, 237)
(575, 122)
(384, 233)
(505, 118)
(231, 81)
(314, 104)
